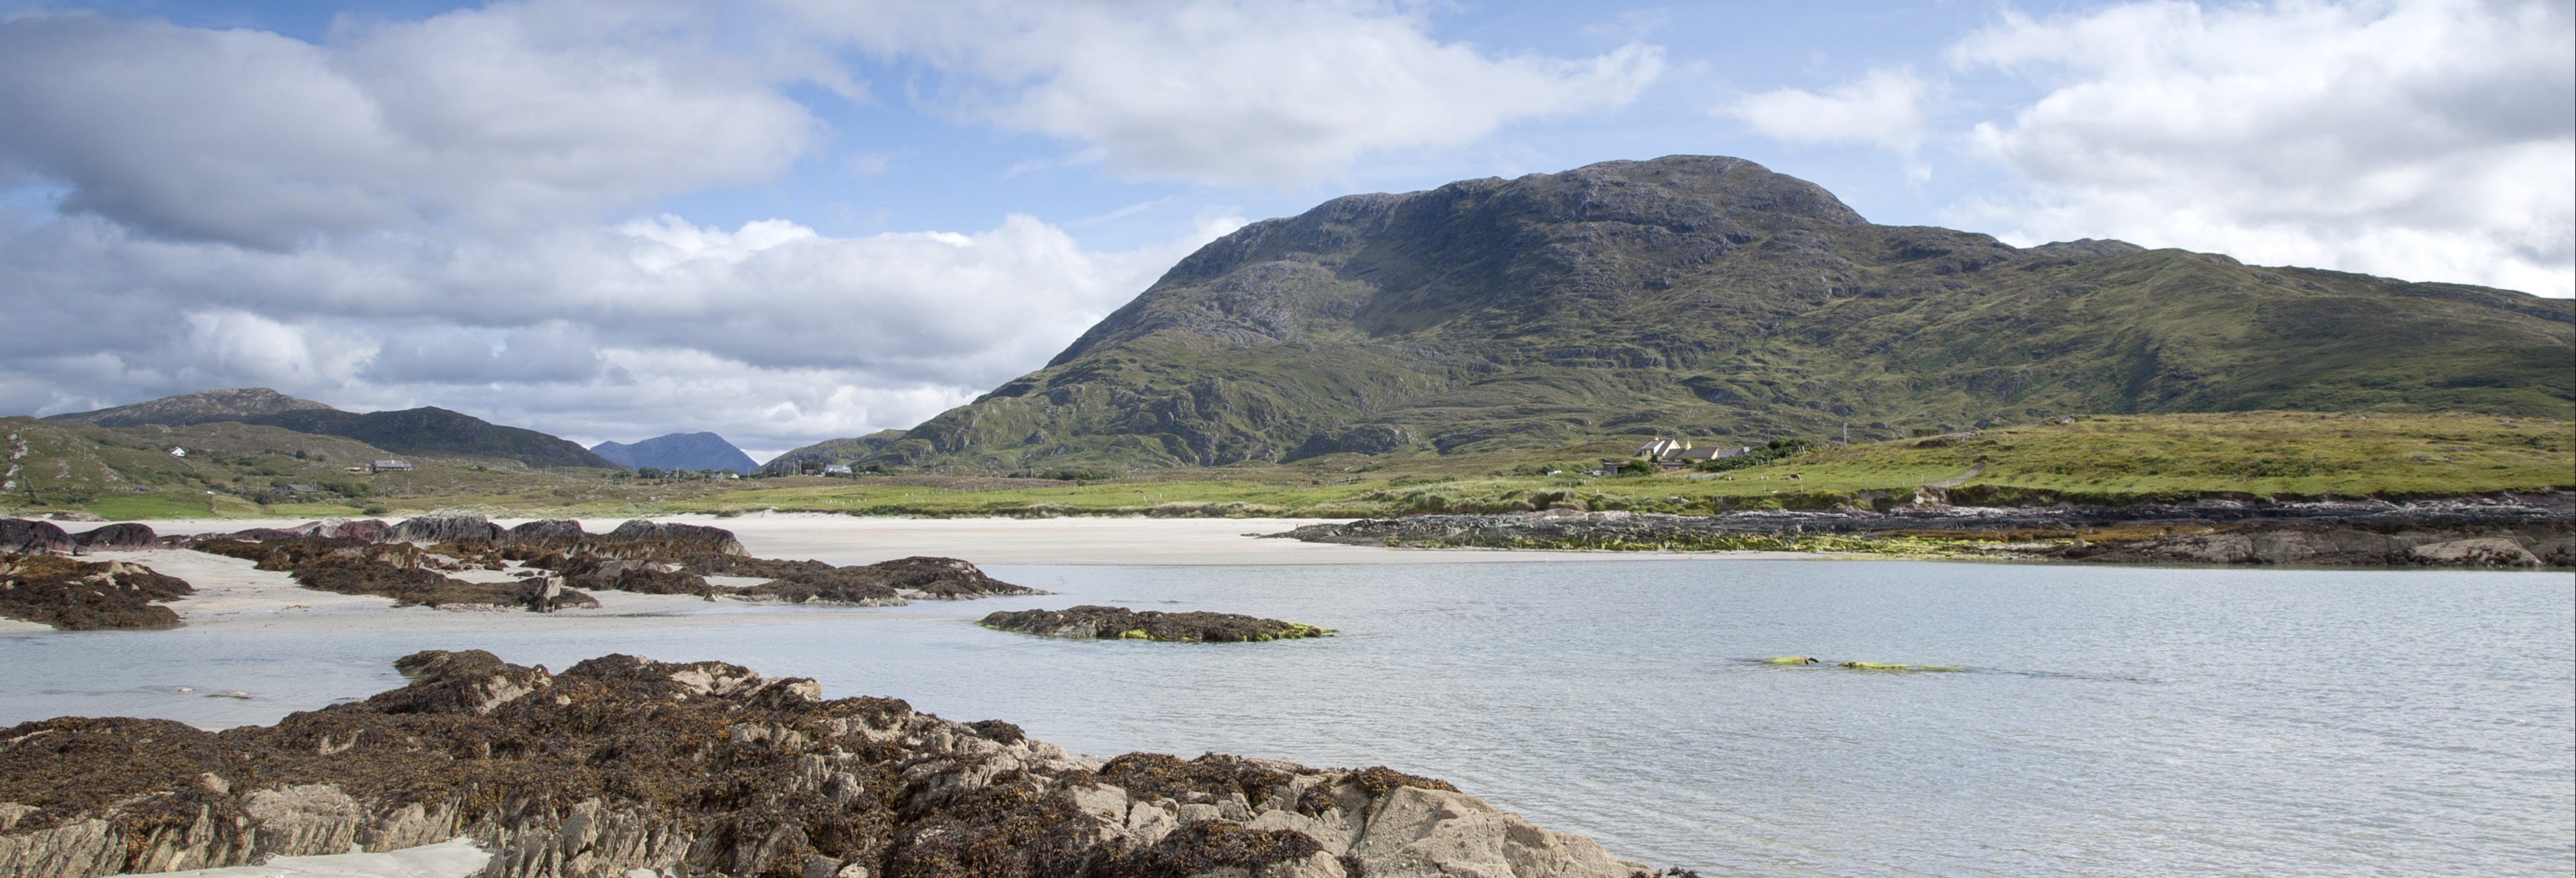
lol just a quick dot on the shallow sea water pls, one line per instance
(2114, 721)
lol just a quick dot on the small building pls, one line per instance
(389, 466)
(837, 469)
(1695, 455)
(176, 451)
(1659, 448)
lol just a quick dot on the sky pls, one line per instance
(791, 220)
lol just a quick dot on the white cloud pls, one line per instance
(1883, 108)
(757, 332)
(2422, 139)
(1229, 91)
(505, 117)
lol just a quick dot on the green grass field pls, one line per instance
(2100, 458)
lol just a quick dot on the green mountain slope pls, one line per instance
(1709, 298)
(432, 430)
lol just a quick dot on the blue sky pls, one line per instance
(790, 220)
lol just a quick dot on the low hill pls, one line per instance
(1708, 298)
(432, 430)
(678, 451)
(231, 404)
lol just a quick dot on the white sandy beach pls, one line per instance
(233, 596)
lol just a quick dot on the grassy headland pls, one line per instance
(2092, 459)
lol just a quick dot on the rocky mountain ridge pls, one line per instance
(1708, 297)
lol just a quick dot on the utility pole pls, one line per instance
(1846, 434)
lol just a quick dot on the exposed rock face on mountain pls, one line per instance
(707, 768)
(1709, 297)
(678, 451)
(205, 406)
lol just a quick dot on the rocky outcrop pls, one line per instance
(1093, 622)
(669, 538)
(29, 535)
(81, 596)
(124, 535)
(2484, 532)
(445, 526)
(707, 768)
(398, 570)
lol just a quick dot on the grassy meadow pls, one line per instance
(2098, 458)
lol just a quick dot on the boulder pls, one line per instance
(125, 535)
(445, 526)
(1426, 833)
(27, 535)
(551, 533)
(673, 540)
(2476, 552)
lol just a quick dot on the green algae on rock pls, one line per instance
(1093, 622)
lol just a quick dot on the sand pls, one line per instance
(231, 595)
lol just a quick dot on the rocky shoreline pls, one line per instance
(1094, 622)
(2502, 532)
(706, 768)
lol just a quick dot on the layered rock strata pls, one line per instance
(707, 768)
(1093, 622)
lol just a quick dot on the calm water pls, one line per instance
(2116, 722)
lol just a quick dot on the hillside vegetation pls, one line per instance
(1706, 297)
(2100, 458)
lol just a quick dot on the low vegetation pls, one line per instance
(2092, 459)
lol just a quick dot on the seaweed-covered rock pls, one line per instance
(29, 535)
(413, 586)
(621, 763)
(1090, 622)
(944, 579)
(855, 586)
(82, 595)
(122, 535)
(445, 526)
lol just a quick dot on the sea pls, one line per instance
(2099, 720)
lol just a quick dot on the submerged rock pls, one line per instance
(622, 763)
(80, 595)
(1093, 622)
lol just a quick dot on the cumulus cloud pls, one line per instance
(1228, 91)
(2422, 139)
(1883, 108)
(505, 117)
(616, 333)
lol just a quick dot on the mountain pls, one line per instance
(431, 430)
(197, 408)
(678, 451)
(1713, 299)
